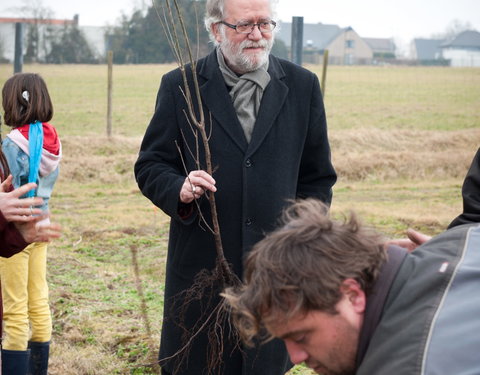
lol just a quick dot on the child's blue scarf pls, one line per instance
(35, 139)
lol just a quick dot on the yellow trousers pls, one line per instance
(25, 297)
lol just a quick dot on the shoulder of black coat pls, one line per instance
(290, 68)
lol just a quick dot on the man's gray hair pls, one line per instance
(215, 12)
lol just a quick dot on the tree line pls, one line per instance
(138, 38)
(141, 38)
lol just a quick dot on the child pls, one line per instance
(33, 152)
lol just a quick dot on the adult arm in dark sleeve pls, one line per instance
(158, 170)
(11, 241)
(470, 195)
(317, 175)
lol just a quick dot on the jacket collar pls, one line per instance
(217, 100)
(376, 299)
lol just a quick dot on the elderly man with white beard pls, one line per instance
(268, 140)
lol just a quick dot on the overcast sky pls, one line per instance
(399, 19)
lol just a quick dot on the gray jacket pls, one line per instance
(430, 319)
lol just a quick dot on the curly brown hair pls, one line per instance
(300, 267)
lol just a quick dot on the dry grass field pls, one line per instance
(402, 139)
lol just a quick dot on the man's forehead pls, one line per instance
(280, 324)
(248, 6)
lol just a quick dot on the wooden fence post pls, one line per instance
(324, 72)
(109, 95)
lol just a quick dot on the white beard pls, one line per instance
(241, 62)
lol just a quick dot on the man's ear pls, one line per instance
(354, 294)
(216, 31)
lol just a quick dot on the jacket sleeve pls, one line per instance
(11, 241)
(159, 170)
(470, 195)
(317, 175)
(17, 162)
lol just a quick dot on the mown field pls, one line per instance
(402, 139)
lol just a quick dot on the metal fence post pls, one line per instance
(18, 60)
(297, 40)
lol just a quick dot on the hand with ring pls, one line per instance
(195, 185)
(15, 208)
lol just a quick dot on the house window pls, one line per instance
(350, 43)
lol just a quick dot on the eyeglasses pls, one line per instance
(247, 28)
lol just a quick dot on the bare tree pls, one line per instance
(454, 28)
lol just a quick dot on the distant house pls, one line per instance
(316, 36)
(344, 45)
(94, 35)
(348, 48)
(383, 48)
(427, 51)
(45, 27)
(463, 50)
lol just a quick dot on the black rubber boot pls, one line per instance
(14, 362)
(38, 364)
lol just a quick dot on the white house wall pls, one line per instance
(7, 40)
(7, 30)
(462, 58)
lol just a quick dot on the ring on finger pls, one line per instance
(194, 189)
(31, 211)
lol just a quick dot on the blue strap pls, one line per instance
(35, 140)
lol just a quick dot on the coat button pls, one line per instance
(248, 163)
(248, 222)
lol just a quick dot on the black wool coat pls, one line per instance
(288, 157)
(470, 195)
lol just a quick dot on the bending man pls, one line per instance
(345, 304)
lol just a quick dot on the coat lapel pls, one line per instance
(217, 100)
